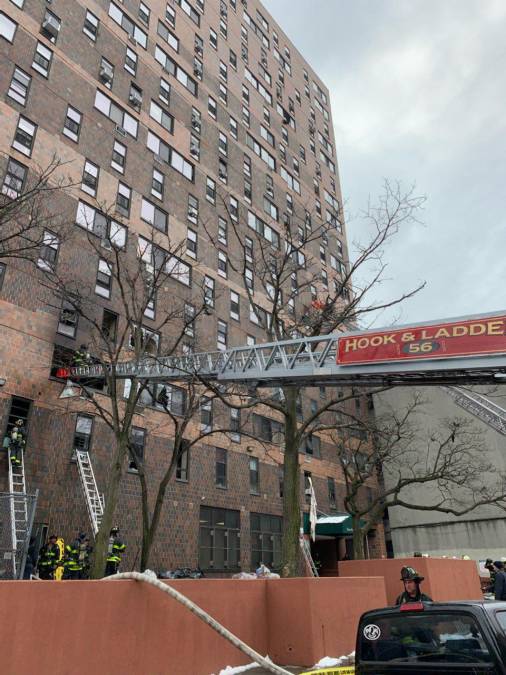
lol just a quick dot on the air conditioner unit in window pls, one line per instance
(120, 130)
(51, 26)
(264, 62)
(197, 72)
(106, 73)
(196, 125)
(135, 99)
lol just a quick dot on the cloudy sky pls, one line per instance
(418, 93)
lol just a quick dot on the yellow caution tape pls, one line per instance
(341, 670)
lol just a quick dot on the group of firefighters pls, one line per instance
(75, 558)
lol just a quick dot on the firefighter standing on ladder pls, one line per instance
(114, 553)
(17, 442)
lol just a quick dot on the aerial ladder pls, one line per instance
(94, 501)
(480, 406)
(19, 511)
(308, 558)
(469, 350)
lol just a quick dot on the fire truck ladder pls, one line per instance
(308, 558)
(19, 510)
(480, 406)
(303, 361)
(94, 501)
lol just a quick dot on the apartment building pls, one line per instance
(187, 117)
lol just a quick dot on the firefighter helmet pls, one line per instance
(410, 574)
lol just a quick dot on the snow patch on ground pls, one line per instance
(229, 670)
(331, 662)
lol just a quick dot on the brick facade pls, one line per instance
(28, 321)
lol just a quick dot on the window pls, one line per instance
(235, 425)
(196, 121)
(266, 533)
(109, 325)
(161, 116)
(110, 231)
(213, 39)
(82, 433)
(311, 445)
(14, 180)
(130, 61)
(24, 136)
(174, 69)
(179, 270)
(50, 26)
(189, 319)
(261, 152)
(164, 91)
(211, 107)
(117, 15)
(254, 476)
(248, 279)
(271, 209)
(106, 72)
(222, 335)
(248, 191)
(219, 537)
(209, 291)
(167, 154)
(89, 182)
(264, 230)
(210, 190)
(135, 97)
(245, 116)
(223, 29)
(267, 429)
(198, 68)
(72, 124)
(154, 215)
(191, 243)
(223, 93)
(222, 170)
(67, 324)
(183, 461)
(171, 398)
(258, 85)
(144, 13)
(123, 197)
(233, 128)
(232, 58)
(48, 251)
(222, 264)
(198, 45)
(266, 135)
(157, 184)
(195, 147)
(221, 467)
(170, 16)
(188, 9)
(19, 86)
(119, 152)
(193, 209)
(7, 27)
(245, 94)
(206, 414)
(246, 166)
(41, 59)
(90, 27)
(111, 110)
(222, 231)
(137, 441)
(103, 282)
(292, 182)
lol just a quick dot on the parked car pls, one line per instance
(427, 638)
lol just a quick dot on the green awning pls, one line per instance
(337, 525)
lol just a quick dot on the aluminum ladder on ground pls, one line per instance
(19, 509)
(308, 558)
(480, 406)
(94, 501)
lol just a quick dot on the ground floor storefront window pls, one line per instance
(219, 539)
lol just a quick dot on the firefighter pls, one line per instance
(412, 593)
(73, 563)
(81, 357)
(48, 557)
(85, 551)
(114, 553)
(489, 565)
(17, 441)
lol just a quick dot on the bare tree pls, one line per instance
(396, 457)
(136, 274)
(33, 212)
(304, 283)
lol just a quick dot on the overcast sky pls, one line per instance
(418, 93)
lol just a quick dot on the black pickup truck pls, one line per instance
(428, 638)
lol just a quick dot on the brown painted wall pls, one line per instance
(103, 627)
(445, 579)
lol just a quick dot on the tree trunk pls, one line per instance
(358, 539)
(111, 499)
(290, 547)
